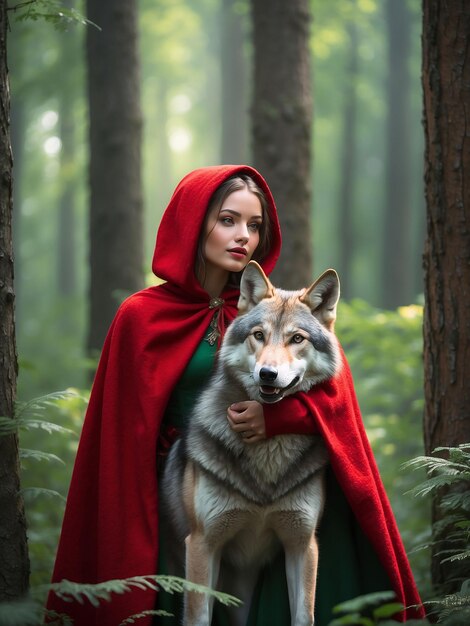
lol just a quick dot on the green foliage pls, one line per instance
(46, 475)
(52, 11)
(95, 594)
(368, 610)
(29, 612)
(453, 609)
(449, 483)
(384, 349)
(24, 612)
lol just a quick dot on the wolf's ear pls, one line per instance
(322, 298)
(254, 287)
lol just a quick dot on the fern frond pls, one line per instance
(9, 426)
(435, 483)
(30, 493)
(38, 455)
(435, 464)
(70, 591)
(454, 501)
(442, 525)
(461, 556)
(152, 612)
(41, 403)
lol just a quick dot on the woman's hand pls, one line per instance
(247, 418)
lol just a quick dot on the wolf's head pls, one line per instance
(282, 341)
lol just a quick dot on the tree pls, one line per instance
(14, 562)
(67, 253)
(446, 87)
(396, 253)
(281, 126)
(116, 230)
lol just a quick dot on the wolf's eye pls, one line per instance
(258, 335)
(297, 338)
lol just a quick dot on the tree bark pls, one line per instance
(17, 134)
(116, 230)
(396, 249)
(446, 87)
(233, 81)
(14, 562)
(281, 127)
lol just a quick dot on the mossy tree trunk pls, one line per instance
(281, 127)
(446, 87)
(14, 562)
(116, 229)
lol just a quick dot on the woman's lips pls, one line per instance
(238, 253)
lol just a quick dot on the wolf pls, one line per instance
(231, 504)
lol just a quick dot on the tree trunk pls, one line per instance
(14, 563)
(18, 121)
(116, 230)
(446, 86)
(396, 249)
(281, 126)
(348, 160)
(233, 81)
(66, 266)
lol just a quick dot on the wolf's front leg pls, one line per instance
(301, 573)
(202, 567)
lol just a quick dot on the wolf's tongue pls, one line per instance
(270, 390)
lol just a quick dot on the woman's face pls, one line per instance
(232, 234)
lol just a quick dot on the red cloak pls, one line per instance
(110, 527)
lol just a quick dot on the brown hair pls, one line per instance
(235, 183)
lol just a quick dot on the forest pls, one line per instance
(356, 113)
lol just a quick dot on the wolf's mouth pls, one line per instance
(269, 393)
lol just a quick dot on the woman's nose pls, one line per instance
(243, 234)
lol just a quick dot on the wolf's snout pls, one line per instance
(268, 374)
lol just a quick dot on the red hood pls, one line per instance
(173, 259)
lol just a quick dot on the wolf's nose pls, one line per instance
(268, 374)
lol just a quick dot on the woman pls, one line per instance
(157, 354)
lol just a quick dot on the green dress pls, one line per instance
(348, 566)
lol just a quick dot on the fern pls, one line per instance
(30, 493)
(24, 612)
(30, 415)
(454, 528)
(52, 11)
(154, 612)
(30, 612)
(38, 455)
(96, 593)
(369, 610)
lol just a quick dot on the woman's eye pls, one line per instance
(258, 335)
(297, 338)
(254, 227)
(226, 220)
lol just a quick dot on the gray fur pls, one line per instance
(279, 472)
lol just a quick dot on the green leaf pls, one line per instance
(351, 618)
(361, 602)
(387, 610)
